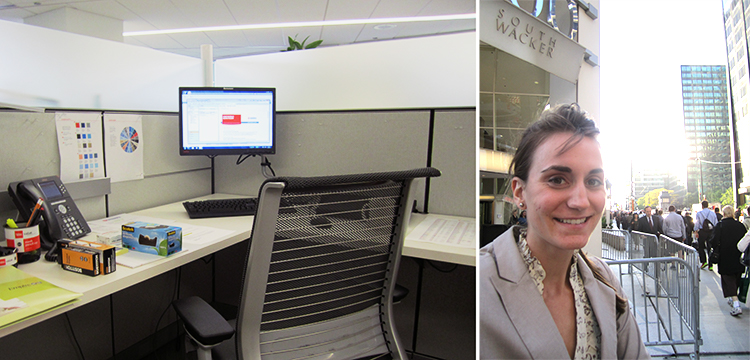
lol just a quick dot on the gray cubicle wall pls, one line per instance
(168, 177)
(310, 144)
(453, 151)
(316, 144)
(28, 145)
(326, 143)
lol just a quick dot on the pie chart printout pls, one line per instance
(129, 139)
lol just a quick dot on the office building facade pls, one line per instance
(707, 130)
(651, 179)
(736, 20)
(532, 55)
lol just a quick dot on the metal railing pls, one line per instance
(661, 278)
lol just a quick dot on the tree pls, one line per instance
(715, 195)
(690, 199)
(727, 198)
(651, 198)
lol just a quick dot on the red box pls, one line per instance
(228, 119)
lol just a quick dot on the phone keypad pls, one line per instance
(72, 228)
(70, 224)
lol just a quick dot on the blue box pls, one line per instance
(163, 240)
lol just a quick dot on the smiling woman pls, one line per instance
(540, 295)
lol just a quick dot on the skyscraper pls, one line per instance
(736, 18)
(707, 129)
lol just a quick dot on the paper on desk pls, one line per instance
(191, 234)
(134, 259)
(37, 295)
(446, 231)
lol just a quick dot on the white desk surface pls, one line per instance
(94, 288)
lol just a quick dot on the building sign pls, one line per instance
(562, 15)
(522, 35)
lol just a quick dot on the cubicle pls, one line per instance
(389, 133)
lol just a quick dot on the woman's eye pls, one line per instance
(556, 180)
(594, 182)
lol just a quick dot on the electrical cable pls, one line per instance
(240, 158)
(175, 293)
(265, 163)
(70, 326)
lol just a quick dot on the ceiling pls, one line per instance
(140, 15)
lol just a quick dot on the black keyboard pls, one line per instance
(221, 207)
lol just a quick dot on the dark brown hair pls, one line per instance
(568, 118)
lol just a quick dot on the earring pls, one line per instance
(520, 205)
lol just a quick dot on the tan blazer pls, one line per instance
(514, 322)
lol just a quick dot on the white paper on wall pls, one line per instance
(79, 139)
(123, 141)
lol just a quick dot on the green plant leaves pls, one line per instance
(314, 44)
(296, 45)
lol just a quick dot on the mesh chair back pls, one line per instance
(322, 265)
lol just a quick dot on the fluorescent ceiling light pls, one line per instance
(305, 24)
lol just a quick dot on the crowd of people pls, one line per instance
(723, 231)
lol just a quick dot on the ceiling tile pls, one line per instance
(161, 14)
(108, 8)
(205, 12)
(253, 12)
(347, 9)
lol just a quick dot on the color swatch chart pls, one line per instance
(89, 158)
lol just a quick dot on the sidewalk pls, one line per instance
(724, 336)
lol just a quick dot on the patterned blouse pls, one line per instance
(588, 334)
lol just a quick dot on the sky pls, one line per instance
(642, 45)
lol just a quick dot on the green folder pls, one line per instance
(38, 295)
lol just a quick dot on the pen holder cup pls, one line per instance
(8, 256)
(26, 241)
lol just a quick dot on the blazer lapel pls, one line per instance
(602, 299)
(523, 303)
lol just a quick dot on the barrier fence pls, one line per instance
(661, 279)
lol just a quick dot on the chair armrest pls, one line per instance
(202, 322)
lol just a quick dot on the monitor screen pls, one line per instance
(227, 121)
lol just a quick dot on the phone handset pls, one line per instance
(61, 217)
(49, 228)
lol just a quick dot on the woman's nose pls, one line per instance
(578, 197)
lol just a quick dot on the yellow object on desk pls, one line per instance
(25, 296)
(11, 224)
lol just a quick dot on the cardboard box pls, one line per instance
(80, 261)
(113, 238)
(107, 253)
(163, 240)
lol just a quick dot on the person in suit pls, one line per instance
(541, 297)
(650, 224)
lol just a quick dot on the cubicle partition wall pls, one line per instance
(309, 143)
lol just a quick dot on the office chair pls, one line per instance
(319, 274)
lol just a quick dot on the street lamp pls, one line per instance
(700, 185)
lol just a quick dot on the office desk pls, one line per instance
(94, 288)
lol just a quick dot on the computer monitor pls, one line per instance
(227, 121)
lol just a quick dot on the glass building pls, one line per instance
(736, 18)
(530, 57)
(707, 129)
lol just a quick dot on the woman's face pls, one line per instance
(564, 193)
